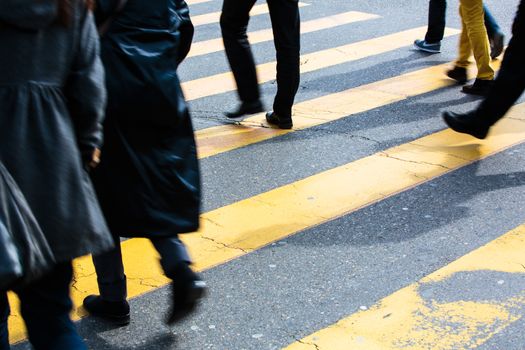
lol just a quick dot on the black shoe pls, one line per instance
(187, 289)
(246, 108)
(496, 45)
(115, 312)
(281, 122)
(467, 123)
(480, 87)
(423, 45)
(459, 74)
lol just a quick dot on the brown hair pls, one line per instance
(65, 9)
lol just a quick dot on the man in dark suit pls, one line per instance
(286, 29)
(507, 88)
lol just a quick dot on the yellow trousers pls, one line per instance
(474, 39)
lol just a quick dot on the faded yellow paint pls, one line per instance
(242, 227)
(407, 320)
(224, 82)
(216, 45)
(214, 17)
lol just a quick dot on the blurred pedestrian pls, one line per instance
(473, 40)
(436, 30)
(286, 29)
(148, 182)
(52, 101)
(508, 86)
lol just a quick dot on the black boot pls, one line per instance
(280, 121)
(246, 108)
(115, 312)
(459, 74)
(187, 289)
(466, 123)
(480, 87)
(497, 43)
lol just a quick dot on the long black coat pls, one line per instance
(148, 181)
(52, 100)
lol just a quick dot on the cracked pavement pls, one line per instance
(291, 288)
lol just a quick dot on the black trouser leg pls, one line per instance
(234, 23)
(172, 252)
(437, 10)
(4, 314)
(286, 33)
(110, 274)
(510, 82)
(45, 307)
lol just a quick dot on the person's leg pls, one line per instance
(172, 253)
(472, 15)
(187, 287)
(45, 308)
(507, 88)
(496, 36)
(4, 315)
(459, 71)
(110, 274)
(490, 23)
(436, 21)
(234, 22)
(286, 31)
(111, 305)
(510, 82)
(465, 50)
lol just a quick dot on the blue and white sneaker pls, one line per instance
(424, 46)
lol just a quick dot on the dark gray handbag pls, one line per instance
(25, 254)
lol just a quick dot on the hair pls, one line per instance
(65, 10)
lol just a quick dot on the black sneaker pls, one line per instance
(480, 87)
(281, 122)
(422, 45)
(496, 45)
(114, 312)
(466, 123)
(187, 290)
(459, 74)
(246, 108)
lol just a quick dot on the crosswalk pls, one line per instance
(406, 319)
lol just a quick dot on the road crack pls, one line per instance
(225, 245)
(414, 161)
(308, 344)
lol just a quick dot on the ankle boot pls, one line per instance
(115, 312)
(466, 123)
(187, 289)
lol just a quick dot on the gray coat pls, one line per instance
(52, 100)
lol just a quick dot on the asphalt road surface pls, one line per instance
(368, 226)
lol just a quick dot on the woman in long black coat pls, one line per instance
(148, 181)
(52, 100)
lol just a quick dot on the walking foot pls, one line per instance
(114, 312)
(466, 123)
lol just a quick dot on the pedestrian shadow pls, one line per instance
(370, 74)
(416, 212)
(93, 331)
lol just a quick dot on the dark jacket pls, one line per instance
(148, 181)
(51, 106)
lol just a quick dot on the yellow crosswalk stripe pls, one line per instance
(223, 138)
(214, 45)
(242, 227)
(214, 17)
(220, 83)
(411, 319)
